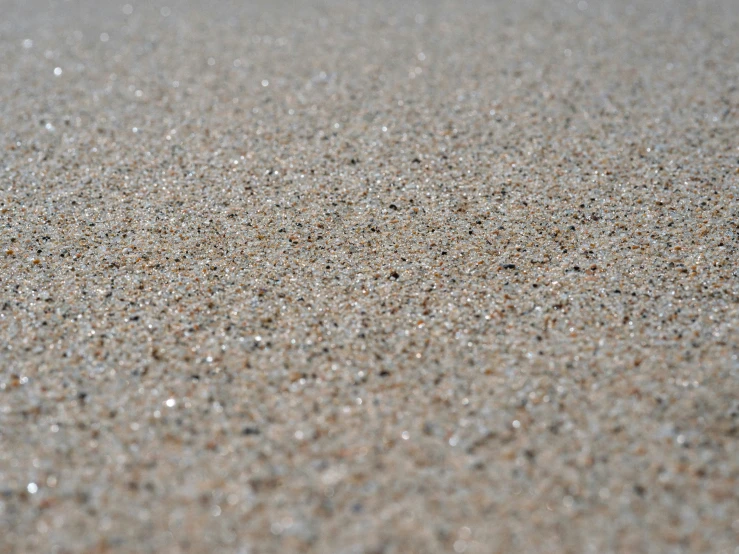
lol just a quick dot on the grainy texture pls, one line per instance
(369, 278)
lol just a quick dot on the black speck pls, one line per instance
(250, 431)
(395, 275)
(508, 266)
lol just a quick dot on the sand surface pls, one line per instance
(378, 277)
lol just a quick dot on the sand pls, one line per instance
(378, 277)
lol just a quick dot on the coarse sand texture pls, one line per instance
(386, 277)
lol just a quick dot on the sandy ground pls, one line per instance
(379, 277)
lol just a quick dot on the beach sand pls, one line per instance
(369, 277)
